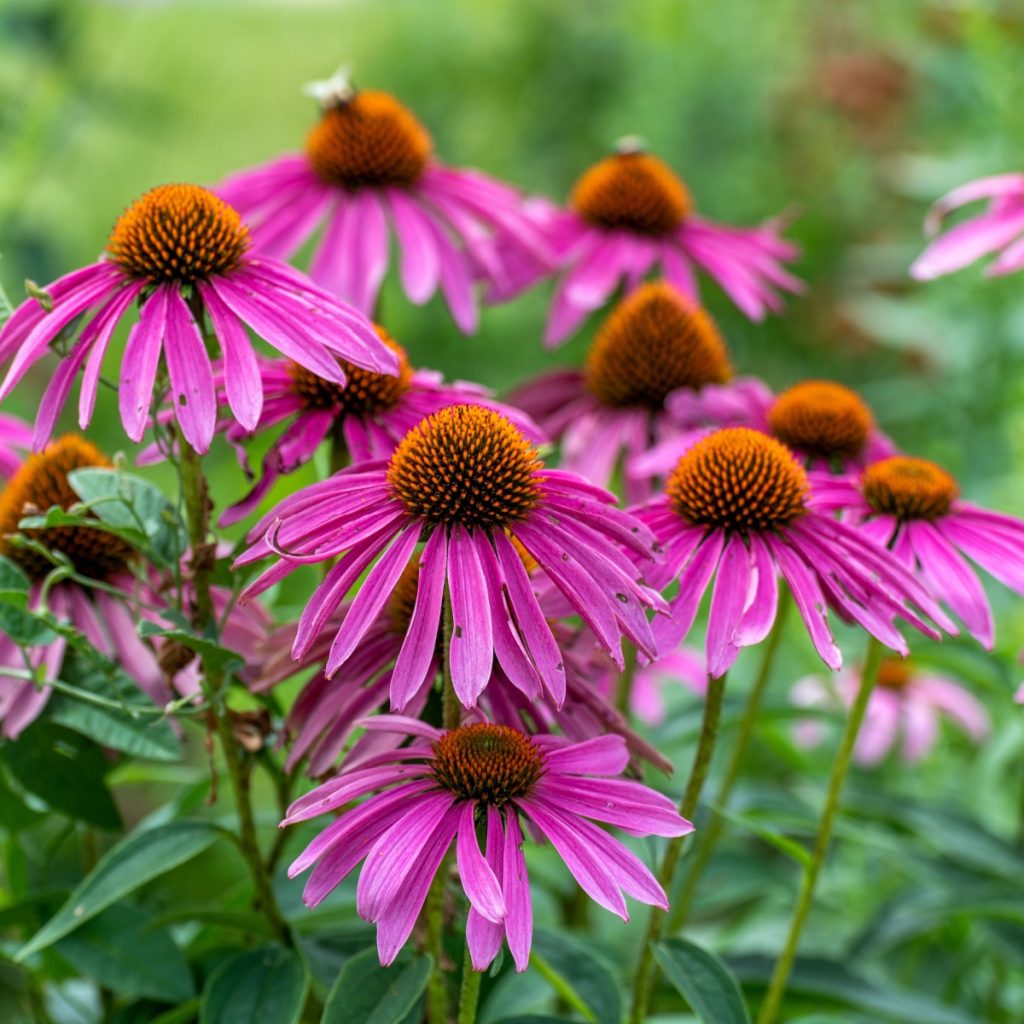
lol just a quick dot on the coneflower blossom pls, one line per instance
(906, 702)
(436, 791)
(736, 510)
(107, 621)
(999, 229)
(183, 255)
(629, 214)
(368, 416)
(15, 438)
(368, 168)
(469, 484)
(913, 507)
(655, 347)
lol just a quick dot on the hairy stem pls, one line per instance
(840, 767)
(644, 980)
(470, 990)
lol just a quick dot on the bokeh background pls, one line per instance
(849, 118)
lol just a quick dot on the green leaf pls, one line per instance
(15, 814)
(790, 847)
(129, 503)
(65, 770)
(23, 627)
(366, 993)
(578, 976)
(703, 981)
(137, 859)
(119, 950)
(213, 655)
(14, 584)
(267, 986)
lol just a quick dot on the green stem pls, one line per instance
(840, 767)
(469, 993)
(706, 840)
(624, 686)
(644, 981)
(197, 509)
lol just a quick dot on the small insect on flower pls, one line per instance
(184, 255)
(368, 161)
(736, 509)
(630, 213)
(655, 349)
(913, 507)
(444, 785)
(1000, 229)
(468, 483)
(907, 701)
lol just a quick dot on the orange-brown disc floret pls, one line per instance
(489, 764)
(180, 233)
(909, 488)
(738, 479)
(39, 485)
(823, 419)
(370, 139)
(466, 464)
(634, 191)
(654, 342)
(894, 673)
(365, 392)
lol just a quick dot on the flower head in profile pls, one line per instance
(368, 416)
(15, 439)
(913, 507)
(369, 167)
(736, 511)
(106, 620)
(468, 485)
(629, 214)
(999, 229)
(907, 703)
(184, 255)
(656, 347)
(444, 786)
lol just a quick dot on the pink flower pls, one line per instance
(106, 618)
(369, 416)
(685, 667)
(629, 213)
(368, 168)
(655, 347)
(1000, 229)
(905, 702)
(182, 253)
(913, 507)
(435, 792)
(736, 510)
(15, 437)
(468, 483)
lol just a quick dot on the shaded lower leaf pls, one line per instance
(579, 976)
(267, 986)
(366, 993)
(703, 981)
(121, 951)
(137, 859)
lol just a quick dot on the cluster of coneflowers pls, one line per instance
(489, 619)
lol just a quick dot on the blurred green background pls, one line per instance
(850, 117)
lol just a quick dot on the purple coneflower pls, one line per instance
(368, 416)
(440, 788)
(913, 507)
(183, 254)
(906, 701)
(629, 213)
(736, 510)
(469, 484)
(999, 229)
(654, 347)
(369, 168)
(15, 438)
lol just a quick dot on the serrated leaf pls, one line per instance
(65, 770)
(579, 976)
(703, 981)
(366, 993)
(121, 951)
(267, 986)
(137, 859)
